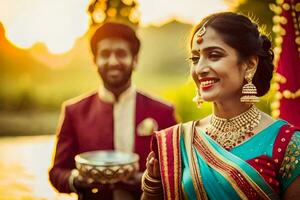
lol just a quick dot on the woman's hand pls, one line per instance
(153, 166)
(152, 190)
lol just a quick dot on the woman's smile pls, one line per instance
(208, 82)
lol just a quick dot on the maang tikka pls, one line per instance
(249, 91)
(200, 34)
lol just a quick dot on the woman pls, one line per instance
(237, 152)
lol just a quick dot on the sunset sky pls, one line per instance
(58, 23)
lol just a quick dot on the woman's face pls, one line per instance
(216, 69)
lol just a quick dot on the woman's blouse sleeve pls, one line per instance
(290, 166)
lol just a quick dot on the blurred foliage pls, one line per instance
(258, 10)
(185, 107)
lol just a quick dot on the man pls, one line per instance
(115, 117)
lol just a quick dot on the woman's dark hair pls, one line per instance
(239, 32)
(118, 30)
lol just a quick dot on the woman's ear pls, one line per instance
(251, 66)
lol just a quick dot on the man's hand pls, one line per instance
(83, 184)
(135, 179)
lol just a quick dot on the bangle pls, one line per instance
(151, 186)
(151, 179)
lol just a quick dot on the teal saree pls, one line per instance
(194, 166)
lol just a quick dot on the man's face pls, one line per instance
(115, 62)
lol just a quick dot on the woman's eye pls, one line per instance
(214, 55)
(194, 59)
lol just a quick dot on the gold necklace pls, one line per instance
(231, 132)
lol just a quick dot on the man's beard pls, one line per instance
(108, 81)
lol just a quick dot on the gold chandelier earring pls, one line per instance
(197, 99)
(249, 91)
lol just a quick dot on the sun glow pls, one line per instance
(158, 12)
(58, 23)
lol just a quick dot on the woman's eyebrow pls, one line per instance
(210, 48)
(207, 49)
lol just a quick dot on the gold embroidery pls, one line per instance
(188, 133)
(165, 163)
(196, 177)
(185, 196)
(176, 159)
(291, 157)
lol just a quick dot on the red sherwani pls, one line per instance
(88, 125)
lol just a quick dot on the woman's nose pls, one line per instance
(202, 67)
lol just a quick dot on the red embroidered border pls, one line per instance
(166, 156)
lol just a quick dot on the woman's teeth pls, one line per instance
(207, 83)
